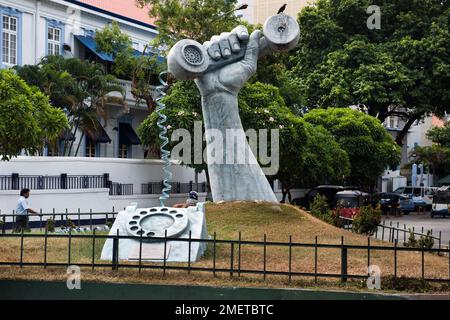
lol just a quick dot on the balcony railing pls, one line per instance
(63, 181)
(127, 85)
(177, 187)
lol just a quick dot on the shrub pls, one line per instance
(319, 206)
(426, 242)
(366, 221)
(412, 242)
(321, 209)
(50, 225)
(70, 224)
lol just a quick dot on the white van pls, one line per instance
(422, 196)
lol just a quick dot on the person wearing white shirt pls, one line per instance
(22, 211)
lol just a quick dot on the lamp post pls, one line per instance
(241, 7)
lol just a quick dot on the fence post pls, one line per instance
(214, 255)
(165, 252)
(290, 258)
(265, 255)
(316, 247)
(189, 252)
(63, 180)
(239, 254)
(343, 261)
(395, 259)
(93, 249)
(115, 253)
(231, 259)
(4, 225)
(70, 247)
(40, 220)
(45, 247)
(21, 248)
(368, 254)
(423, 263)
(140, 252)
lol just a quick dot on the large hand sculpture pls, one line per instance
(220, 68)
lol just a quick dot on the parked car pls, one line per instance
(328, 191)
(441, 202)
(349, 202)
(392, 202)
(422, 196)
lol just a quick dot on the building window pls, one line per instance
(91, 148)
(53, 41)
(9, 40)
(123, 151)
(55, 37)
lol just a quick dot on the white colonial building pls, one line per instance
(33, 29)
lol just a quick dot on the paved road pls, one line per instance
(423, 220)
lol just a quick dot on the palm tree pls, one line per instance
(79, 87)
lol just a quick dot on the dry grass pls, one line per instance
(253, 221)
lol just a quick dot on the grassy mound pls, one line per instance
(253, 220)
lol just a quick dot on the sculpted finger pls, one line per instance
(234, 43)
(224, 44)
(213, 50)
(241, 32)
(251, 55)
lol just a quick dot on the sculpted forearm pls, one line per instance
(233, 169)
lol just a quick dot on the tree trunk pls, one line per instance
(79, 144)
(402, 134)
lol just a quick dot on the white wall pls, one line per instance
(136, 171)
(98, 200)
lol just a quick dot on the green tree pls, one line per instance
(437, 156)
(193, 19)
(142, 70)
(369, 146)
(309, 155)
(402, 69)
(78, 86)
(27, 119)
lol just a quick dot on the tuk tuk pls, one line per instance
(349, 202)
(441, 202)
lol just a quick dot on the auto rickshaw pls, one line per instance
(349, 202)
(441, 203)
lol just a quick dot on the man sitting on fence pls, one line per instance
(22, 211)
(190, 202)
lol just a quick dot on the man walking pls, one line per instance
(22, 211)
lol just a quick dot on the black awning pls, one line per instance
(97, 134)
(127, 135)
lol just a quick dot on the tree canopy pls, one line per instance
(192, 19)
(309, 155)
(401, 69)
(141, 70)
(370, 148)
(437, 156)
(80, 87)
(27, 119)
